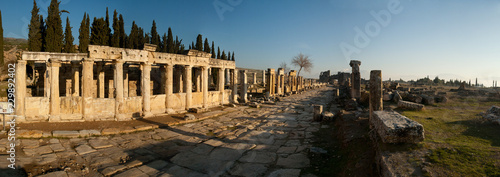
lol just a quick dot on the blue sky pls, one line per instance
(448, 38)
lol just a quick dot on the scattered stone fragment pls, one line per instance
(409, 105)
(393, 127)
(189, 117)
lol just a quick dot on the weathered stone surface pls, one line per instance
(410, 105)
(181, 171)
(153, 167)
(441, 98)
(376, 102)
(84, 149)
(143, 127)
(85, 133)
(65, 134)
(99, 143)
(132, 172)
(189, 117)
(294, 161)
(393, 127)
(39, 150)
(57, 147)
(112, 170)
(254, 105)
(328, 116)
(414, 98)
(396, 97)
(248, 169)
(493, 114)
(285, 172)
(55, 174)
(110, 131)
(258, 157)
(427, 99)
(29, 133)
(29, 143)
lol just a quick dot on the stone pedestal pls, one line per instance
(243, 84)
(317, 111)
(356, 79)
(376, 103)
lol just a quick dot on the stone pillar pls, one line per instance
(145, 89)
(270, 87)
(220, 85)
(376, 103)
(204, 72)
(227, 78)
(100, 80)
(46, 81)
(281, 81)
(254, 78)
(197, 76)
(87, 86)
(234, 86)
(76, 79)
(188, 85)
(169, 82)
(210, 77)
(317, 112)
(243, 89)
(355, 79)
(125, 80)
(264, 77)
(54, 65)
(118, 85)
(20, 89)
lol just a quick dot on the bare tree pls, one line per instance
(285, 66)
(303, 62)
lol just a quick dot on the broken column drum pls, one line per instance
(355, 79)
(376, 103)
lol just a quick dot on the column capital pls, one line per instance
(118, 61)
(22, 62)
(54, 62)
(188, 66)
(88, 60)
(354, 63)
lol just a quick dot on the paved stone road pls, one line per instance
(269, 141)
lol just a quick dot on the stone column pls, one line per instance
(76, 79)
(264, 77)
(234, 86)
(204, 71)
(227, 78)
(254, 78)
(145, 89)
(46, 81)
(54, 65)
(243, 89)
(125, 80)
(20, 89)
(118, 85)
(221, 85)
(270, 81)
(197, 75)
(355, 79)
(100, 80)
(188, 85)
(87, 86)
(375, 91)
(169, 82)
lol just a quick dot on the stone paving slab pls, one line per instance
(65, 134)
(84, 149)
(100, 144)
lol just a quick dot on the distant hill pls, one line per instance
(10, 43)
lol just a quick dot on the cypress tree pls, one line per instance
(99, 32)
(206, 48)
(35, 33)
(218, 53)
(68, 38)
(213, 50)
(84, 35)
(224, 57)
(1, 40)
(140, 38)
(132, 39)
(43, 32)
(165, 42)
(228, 55)
(123, 36)
(155, 38)
(232, 57)
(178, 48)
(170, 42)
(192, 45)
(115, 37)
(54, 36)
(199, 43)
(108, 29)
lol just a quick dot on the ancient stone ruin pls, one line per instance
(393, 127)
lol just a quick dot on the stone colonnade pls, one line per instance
(118, 84)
